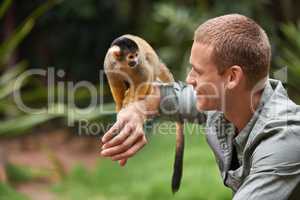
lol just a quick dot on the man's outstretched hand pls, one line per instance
(126, 137)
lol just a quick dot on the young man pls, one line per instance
(253, 127)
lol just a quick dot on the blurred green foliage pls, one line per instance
(290, 58)
(9, 73)
(14, 120)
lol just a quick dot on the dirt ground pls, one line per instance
(47, 149)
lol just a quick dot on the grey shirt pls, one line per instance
(267, 150)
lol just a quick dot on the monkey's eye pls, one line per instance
(136, 54)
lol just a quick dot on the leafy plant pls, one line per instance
(289, 57)
(9, 76)
(15, 121)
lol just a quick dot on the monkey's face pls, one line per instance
(126, 52)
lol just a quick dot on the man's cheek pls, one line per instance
(201, 103)
(200, 90)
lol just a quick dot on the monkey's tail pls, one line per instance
(178, 163)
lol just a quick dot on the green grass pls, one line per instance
(147, 176)
(7, 192)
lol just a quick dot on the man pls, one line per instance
(253, 127)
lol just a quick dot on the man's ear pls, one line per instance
(234, 77)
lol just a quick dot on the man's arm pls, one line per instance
(170, 101)
(275, 171)
(126, 137)
(178, 103)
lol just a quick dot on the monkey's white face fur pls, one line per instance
(115, 50)
(123, 59)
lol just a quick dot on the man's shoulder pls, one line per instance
(278, 147)
(278, 117)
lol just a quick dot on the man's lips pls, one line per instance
(199, 93)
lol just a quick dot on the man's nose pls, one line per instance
(190, 80)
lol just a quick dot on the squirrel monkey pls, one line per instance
(131, 66)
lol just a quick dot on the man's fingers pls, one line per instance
(123, 147)
(119, 139)
(133, 150)
(113, 131)
(122, 162)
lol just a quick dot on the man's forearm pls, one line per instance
(174, 101)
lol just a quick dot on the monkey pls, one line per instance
(131, 66)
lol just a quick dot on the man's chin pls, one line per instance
(202, 107)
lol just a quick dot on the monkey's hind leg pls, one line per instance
(127, 97)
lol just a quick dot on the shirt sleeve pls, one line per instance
(275, 171)
(178, 103)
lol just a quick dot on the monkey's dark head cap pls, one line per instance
(125, 44)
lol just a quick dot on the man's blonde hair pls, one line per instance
(237, 40)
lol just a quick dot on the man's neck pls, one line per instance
(241, 109)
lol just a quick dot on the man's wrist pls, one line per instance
(148, 107)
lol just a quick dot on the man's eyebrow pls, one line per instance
(196, 69)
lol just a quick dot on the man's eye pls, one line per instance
(198, 72)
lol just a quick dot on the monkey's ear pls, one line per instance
(116, 52)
